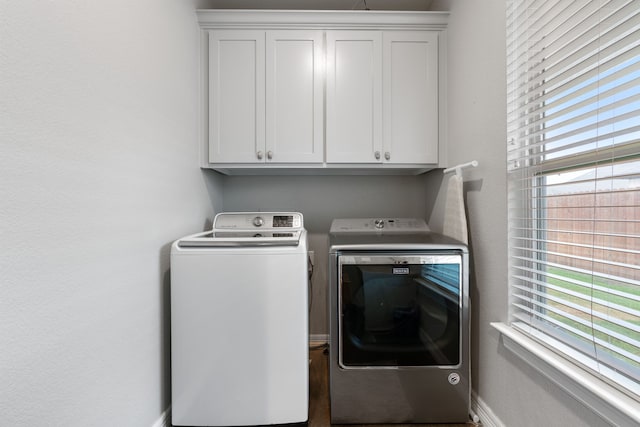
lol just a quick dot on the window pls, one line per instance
(573, 71)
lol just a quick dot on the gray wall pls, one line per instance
(517, 394)
(99, 136)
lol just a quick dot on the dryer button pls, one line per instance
(454, 378)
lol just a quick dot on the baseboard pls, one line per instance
(484, 412)
(164, 420)
(318, 339)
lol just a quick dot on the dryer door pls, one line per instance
(400, 309)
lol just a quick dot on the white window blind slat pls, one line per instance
(584, 291)
(573, 245)
(586, 233)
(568, 295)
(568, 257)
(596, 275)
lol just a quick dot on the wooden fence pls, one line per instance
(596, 231)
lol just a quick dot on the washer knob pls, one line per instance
(379, 223)
(258, 221)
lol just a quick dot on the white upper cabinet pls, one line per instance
(410, 97)
(236, 96)
(323, 91)
(354, 96)
(382, 97)
(295, 126)
(265, 96)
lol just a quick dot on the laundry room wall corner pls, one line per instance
(215, 184)
(318, 328)
(434, 197)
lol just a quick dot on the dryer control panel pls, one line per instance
(379, 225)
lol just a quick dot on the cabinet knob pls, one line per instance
(269, 154)
(377, 154)
(259, 155)
(387, 155)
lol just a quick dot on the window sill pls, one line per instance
(607, 402)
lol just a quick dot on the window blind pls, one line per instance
(573, 153)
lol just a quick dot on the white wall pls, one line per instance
(517, 394)
(98, 131)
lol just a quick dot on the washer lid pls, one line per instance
(214, 239)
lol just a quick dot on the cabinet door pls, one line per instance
(354, 96)
(236, 96)
(410, 97)
(294, 90)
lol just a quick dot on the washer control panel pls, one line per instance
(378, 225)
(258, 220)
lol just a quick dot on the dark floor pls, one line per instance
(319, 414)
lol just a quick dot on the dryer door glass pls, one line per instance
(400, 309)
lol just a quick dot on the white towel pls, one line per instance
(455, 220)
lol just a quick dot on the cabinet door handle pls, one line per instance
(269, 154)
(259, 155)
(387, 155)
(377, 154)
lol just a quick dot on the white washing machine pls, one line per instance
(239, 322)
